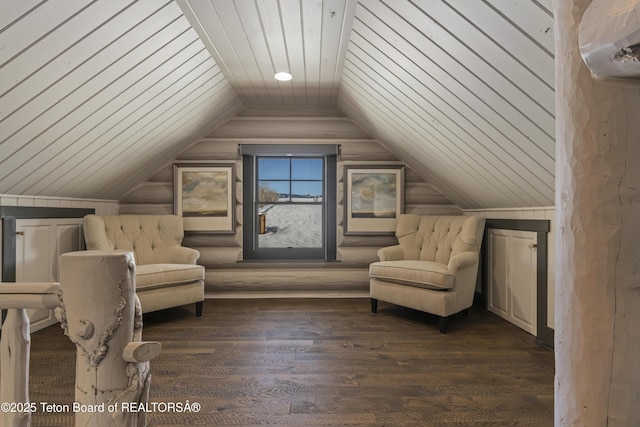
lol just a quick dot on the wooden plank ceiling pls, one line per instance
(463, 91)
(253, 40)
(97, 95)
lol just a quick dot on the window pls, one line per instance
(289, 202)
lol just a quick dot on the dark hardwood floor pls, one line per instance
(321, 362)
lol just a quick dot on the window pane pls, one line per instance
(290, 226)
(273, 168)
(306, 169)
(273, 191)
(306, 191)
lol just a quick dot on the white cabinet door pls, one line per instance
(39, 244)
(513, 277)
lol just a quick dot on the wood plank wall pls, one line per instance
(226, 274)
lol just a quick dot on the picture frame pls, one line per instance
(374, 199)
(204, 196)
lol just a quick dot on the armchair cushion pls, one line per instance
(423, 274)
(152, 276)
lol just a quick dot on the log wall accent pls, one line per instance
(598, 234)
(222, 254)
(288, 278)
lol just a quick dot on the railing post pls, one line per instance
(100, 313)
(15, 346)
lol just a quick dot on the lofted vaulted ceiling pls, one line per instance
(252, 40)
(97, 95)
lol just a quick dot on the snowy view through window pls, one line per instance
(290, 202)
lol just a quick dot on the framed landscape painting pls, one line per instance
(204, 195)
(373, 199)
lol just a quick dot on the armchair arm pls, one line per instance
(391, 253)
(184, 255)
(461, 260)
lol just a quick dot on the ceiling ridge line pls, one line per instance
(296, 118)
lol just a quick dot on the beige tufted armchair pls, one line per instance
(433, 268)
(166, 272)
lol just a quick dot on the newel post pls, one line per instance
(597, 240)
(100, 313)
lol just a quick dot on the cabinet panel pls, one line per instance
(499, 297)
(39, 244)
(523, 282)
(512, 277)
(69, 239)
(34, 252)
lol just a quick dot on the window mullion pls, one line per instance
(290, 180)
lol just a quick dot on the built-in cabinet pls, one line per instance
(39, 244)
(512, 276)
(33, 238)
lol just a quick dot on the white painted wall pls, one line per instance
(543, 213)
(102, 207)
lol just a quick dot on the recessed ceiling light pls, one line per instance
(283, 76)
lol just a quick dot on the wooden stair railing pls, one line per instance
(15, 345)
(99, 311)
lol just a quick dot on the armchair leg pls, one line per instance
(442, 321)
(374, 305)
(199, 305)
